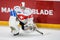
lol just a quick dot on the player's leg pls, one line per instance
(32, 26)
(14, 26)
(22, 24)
(14, 30)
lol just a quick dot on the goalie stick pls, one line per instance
(39, 31)
(35, 28)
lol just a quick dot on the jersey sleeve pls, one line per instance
(12, 13)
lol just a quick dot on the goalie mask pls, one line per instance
(27, 11)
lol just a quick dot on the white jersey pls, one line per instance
(24, 15)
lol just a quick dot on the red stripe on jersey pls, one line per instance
(30, 16)
(22, 17)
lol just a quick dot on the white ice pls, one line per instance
(49, 34)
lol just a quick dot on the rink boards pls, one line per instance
(48, 12)
(40, 25)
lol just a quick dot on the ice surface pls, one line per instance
(49, 34)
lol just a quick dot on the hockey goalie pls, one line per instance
(24, 17)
